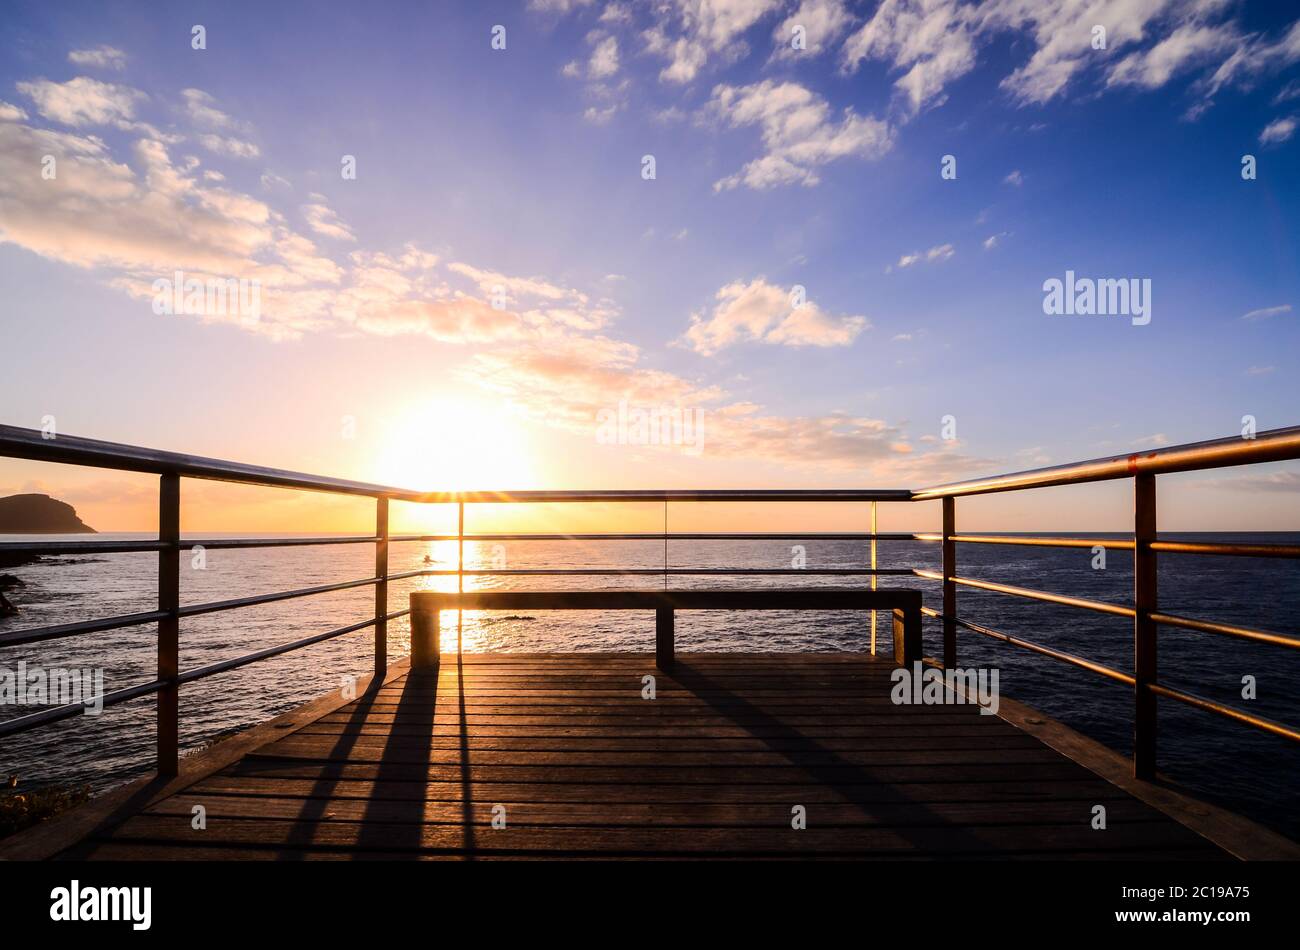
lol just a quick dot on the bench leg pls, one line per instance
(425, 640)
(907, 636)
(664, 635)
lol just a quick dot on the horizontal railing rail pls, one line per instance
(1273, 445)
(1144, 542)
(73, 450)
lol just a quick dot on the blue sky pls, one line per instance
(521, 169)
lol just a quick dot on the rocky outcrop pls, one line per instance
(39, 514)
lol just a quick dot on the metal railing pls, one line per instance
(1275, 445)
(1271, 446)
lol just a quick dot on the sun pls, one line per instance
(457, 445)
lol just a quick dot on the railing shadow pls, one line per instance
(810, 756)
(466, 778)
(321, 795)
(398, 823)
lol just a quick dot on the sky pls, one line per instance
(485, 236)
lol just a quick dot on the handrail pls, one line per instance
(1230, 548)
(1120, 544)
(1030, 594)
(15, 638)
(1269, 446)
(75, 450)
(1272, 445)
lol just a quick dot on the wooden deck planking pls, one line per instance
(585, 767)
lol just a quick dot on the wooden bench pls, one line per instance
(426, 608)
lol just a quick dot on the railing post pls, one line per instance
(381, 587)
(169, 582)
(460, 571)
(665, 634)
(949, 585)
(873, 575)
(1144, 630)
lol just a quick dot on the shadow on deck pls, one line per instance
(564, 751)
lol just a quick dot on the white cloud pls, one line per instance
(1277, 131)
(1189, 45)
(993, 240)
(148, 216)
(456, 319)
(11, 113)
(1260, 370)
(557, 6)
(599, 116)
(1062, 33)
(1253, 57)
(203, 112)
(323, 220)
(1014, 178)
(568, 383)
(823, 21)
(931, 41)
(604, 58)
(101, 57)
(799, 133)
(1265, 312)
(100, 212)
(616, 13)
(223, 145)
(492, 282)
(1288, 92)
(83, 101)
(935, 255)
(599, 71)
(763, 312)
(691, 31)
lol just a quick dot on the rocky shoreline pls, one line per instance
(32, 513)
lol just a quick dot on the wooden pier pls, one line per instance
(735, 756)
(572, 760)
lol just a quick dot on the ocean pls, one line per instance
(1233, 765)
